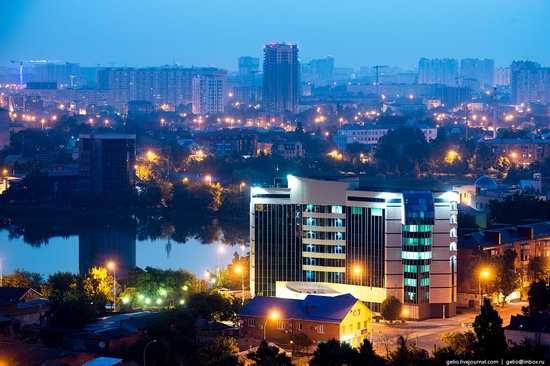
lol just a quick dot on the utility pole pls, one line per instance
(495, 112)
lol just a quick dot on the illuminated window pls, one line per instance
(336, 209)
(376, 211)
(280, 325)
(410, 282)
(452, 246)
(321, 329)
(252, 322)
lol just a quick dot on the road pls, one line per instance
(426, 333)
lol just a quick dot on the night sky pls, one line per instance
(217, 32)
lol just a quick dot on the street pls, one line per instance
(427, 333)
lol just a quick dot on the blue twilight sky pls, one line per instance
(216, 32)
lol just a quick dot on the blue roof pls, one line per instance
(313, 307)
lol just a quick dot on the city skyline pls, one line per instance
(393, 37)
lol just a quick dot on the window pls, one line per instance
(321, 329)
(376, 211)
(425, 282)
(300, 326)
(252, 322)
(365, 324)
(343, 329)
(280, 325)
(336, 209)
(452, 246)
(358, 325)
(410, 282)
(452, 233)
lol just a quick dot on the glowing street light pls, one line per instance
(357, 271)
(111, 265)
(484, 274)
(208, 179)
(240, 269)
(241, 186)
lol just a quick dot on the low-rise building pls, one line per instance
(227, 142)
(521, 151)
(321, 318)
(535, 328)
(289, 149)
(528, 241)
(370, 134)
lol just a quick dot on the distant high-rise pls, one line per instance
(529, 82)
(172, 86)
(248, 68)
(480, 71)
(281, 87)
(318, 71)
(502, 76)
(106, 162)
(209, 91)
(438, 71)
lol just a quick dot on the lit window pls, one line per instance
(252, 322)
(321, 329)
(452, 246)
(376, 211)
(280, 325)
(336, 209)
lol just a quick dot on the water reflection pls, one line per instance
(46, 243)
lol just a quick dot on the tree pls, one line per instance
(98, 285)
(333, 353)
(539, 268)
(219, 352)
(74, 310)
(214, 306)
(508, 279)
(20, 278)
(367, 356)
(407, 354)
(390, 308)
(58, 284)
(538, 296)
(266, 355)
(489, 332)
(456, 345)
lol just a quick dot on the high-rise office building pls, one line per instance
(480, 71)
(281, 85)
(106, 162)
(530, 83)
(209, 92)
(438, 71)
(331, 237)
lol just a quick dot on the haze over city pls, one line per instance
(355, 32)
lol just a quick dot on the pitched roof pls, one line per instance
(313, 307)
(13, 293)
(539, 323)
(508, 235)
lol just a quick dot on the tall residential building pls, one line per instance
(334, 237)
(438, 71)
(502, 76)
(209, 92)
(248, 68)
(480, 71)
(318, 71)
(530, 83)
(172, 86)
(281, 87)
(106, 162)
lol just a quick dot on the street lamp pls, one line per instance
(221, 250)
(357, 271)
(208, 179)
(111, 265)
(240, 269)
(274, 315)
(145, 350)
(241, 186)
(484, 274)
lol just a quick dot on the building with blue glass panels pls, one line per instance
(334, 237)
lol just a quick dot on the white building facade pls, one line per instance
(332, 237)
